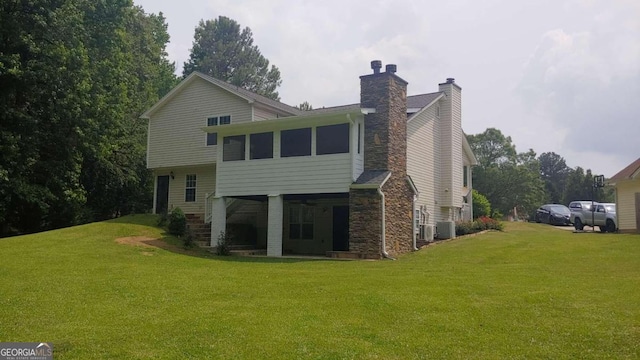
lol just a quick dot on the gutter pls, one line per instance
(385, 254)
(413, 223)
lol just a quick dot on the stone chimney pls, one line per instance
(381, 225)
(385, 142)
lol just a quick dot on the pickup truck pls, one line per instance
(602, 215)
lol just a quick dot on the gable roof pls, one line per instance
(247, 95)
(629, 173)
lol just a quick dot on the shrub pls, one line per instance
(481, 205)
(188, 241)
(480, 224)
(177, 222)
(224, 244)
(163, 219)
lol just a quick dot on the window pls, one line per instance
(212, 138)
(300, 222)
(465, 176)
(332, 139)
(295, 142)
(233, 148)
(261, 146)
(190, 188)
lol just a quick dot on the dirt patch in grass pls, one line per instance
(149, 242)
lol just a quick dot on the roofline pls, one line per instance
(427, 106)
(371, 186)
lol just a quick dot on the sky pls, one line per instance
(557, 76)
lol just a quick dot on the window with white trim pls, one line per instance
(190, 188)
(212, 138)
(301, 222)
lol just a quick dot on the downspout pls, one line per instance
(384, 243)
(413, 223)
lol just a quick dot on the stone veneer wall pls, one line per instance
(385, 148)
(365, 225)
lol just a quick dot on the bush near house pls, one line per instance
(480, 224)
(177, 222)
(481, 205)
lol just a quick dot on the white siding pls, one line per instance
(626, 204)
(263, 114)
(451, 157)
(293, 175)
(423, 164)
(205, 183)
(175, 130)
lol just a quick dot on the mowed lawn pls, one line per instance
(533, 291)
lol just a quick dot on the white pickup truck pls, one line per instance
(602, 215)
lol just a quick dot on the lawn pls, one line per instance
(532, 291)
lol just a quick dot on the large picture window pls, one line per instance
(300, 222)
(295, 142)
(332, 139)
(233, 148)
(190, 188)
(261, 146)
(212, 138)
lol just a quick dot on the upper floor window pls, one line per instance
(332, 139)
(190, 188)
(212, 138)
(295, 142)
(261, 146)
(233, 148)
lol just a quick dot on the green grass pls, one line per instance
(532, 291)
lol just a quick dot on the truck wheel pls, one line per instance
(611, 226)
(577, 224)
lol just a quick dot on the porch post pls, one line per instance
(274, 226)
(218, 218)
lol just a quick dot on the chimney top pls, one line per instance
(391, 68)
(376, 65)
(451, 81)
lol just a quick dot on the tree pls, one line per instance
(481, 206)
(305, 106)
(510, 181)
(75, 77)
(224, 51)
(554, 172)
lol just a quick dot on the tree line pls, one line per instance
(75, 76)
(518, 183)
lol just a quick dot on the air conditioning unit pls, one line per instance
(446, 229)
(429, 232)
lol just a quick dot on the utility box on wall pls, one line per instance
(446, 230)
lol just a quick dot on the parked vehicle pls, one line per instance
(600, 215)
(554, 214)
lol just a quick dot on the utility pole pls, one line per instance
(598, 182)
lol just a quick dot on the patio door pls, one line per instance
(162, 194)
(340, 228)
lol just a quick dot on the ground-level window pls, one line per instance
(190, 188)
(296, 142)
(261, 146)
(300, 222)
(233, 148)
(212, 138)
(332, 139)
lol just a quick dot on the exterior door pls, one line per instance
(638, 212)
(162, 194)
(340, 228)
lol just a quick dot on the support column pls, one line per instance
(218, 218)
(274, 230)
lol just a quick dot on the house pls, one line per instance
(627, 185)
(364, 180)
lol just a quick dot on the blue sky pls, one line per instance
(555, 75)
